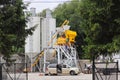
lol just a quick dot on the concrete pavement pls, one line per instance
(38, 76)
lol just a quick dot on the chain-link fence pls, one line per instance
(13, 71)
(106, 71)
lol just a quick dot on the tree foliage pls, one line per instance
(101, 26)
(96, 22)
(70, 11)
(12, 27)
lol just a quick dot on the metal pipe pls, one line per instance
(44, 61)
(58, 53)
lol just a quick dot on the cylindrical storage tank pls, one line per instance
(48, 30)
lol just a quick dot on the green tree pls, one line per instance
(12, 27)
(71, 12)
(100, 22)
(96, 22)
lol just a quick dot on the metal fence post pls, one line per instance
(14, 71)
(93, 68)
(117, 71)
(0, 71)
(26, 72)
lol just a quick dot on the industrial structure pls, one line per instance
(45, 28)
(49, 44)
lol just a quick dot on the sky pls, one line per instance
(43, 4)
